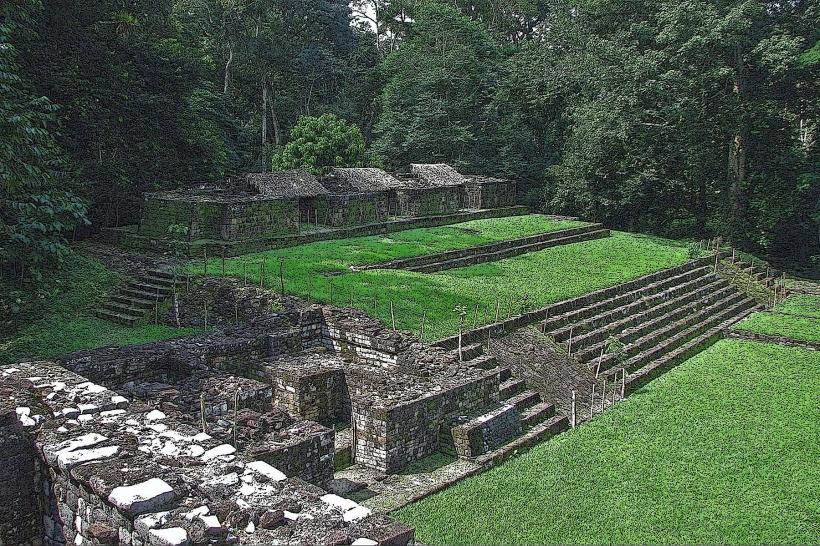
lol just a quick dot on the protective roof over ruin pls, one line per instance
(437, 174)
(366, 179)
(286, 184)
(480, 179)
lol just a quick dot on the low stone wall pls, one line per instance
(488, 195)
(305, 450)
(778, 340)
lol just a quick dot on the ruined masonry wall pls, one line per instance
(430, 201)
(486, 433)
(117, 474)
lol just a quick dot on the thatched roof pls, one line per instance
(437, 174)
(365, 179)
(286, 184)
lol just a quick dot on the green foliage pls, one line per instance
(582, 267)
(438, 84)
(60, 320)
(36, 206)
(677, 462)
(802, 305)
(319, 143)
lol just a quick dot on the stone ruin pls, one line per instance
(228, 437)
(277, 204)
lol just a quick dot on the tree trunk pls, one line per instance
(277, 132)
(264, 114)
(737, 146)
(228, 70)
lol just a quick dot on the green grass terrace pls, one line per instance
(723, 449)
(322, 271)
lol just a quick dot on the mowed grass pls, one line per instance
(723, 449)
(781, 324)
(64, 321)
(797, 318)
(321, 272)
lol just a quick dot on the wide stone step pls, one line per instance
(484, 362)
(131, 301)
(538, 413)
(160, 273)
(157, 281)
(542, 431)
(611, 317)
(486, 432)
(503, 374)
(507, 253)
(631, 330)
(141, 294)
(123, 308)
(709, 318)
(625, 296)
(511, 387)
(162, 290)
(656, 337)
(657, 366)
(524, 400)
(119, 318)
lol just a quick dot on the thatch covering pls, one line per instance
(365, 179)
(437, 174)
(286, 184)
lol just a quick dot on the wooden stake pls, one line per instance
(392, 316)
(497, 308)
(592, 402)
(475, 316)
(235, 414)
(282, 275)
(569, 344)
(573, 409)
(603, 396)
(421, 331)
(623, 383)
(546, 316)
(202, 411)
(601, 357)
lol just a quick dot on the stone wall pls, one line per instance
(429, 201)
(120, 473)
(356, 209)
(389, 439)
(490, 195)
(218, 218)
(487, 432)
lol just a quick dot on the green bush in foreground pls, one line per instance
(722, 449)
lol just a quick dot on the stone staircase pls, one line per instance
(491, 252)
(520, 417)
(660, 323)
(137, 298)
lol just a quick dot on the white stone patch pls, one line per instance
(247, 490)
(112, 413)
(84, 441)
(91, 388)
(154, 415)
(227, 479)
(150, 521)
(120, 401)
(360, 512)
(85, 418)
(69, 459)
(195, 450)
(88, 408)
(158, 427)
(23, 410)
(174, 536)
(364, 542)
(146, 496)
(339, 502)
(201, 437)
(267, 470)
(251, 528)
(71, 413)
(212, 524)
(218, 451)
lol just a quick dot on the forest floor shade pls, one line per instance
(320, 270)
(722, 449)
(64, 322)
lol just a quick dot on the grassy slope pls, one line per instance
(545, 276)
(65, 323)
(798, 318)
(723, 449)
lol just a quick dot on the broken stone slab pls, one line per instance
(143, 497)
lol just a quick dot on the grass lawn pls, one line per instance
(64, 320)
(542, 277)
(722, 449)
(803, 305)
(782, 324)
